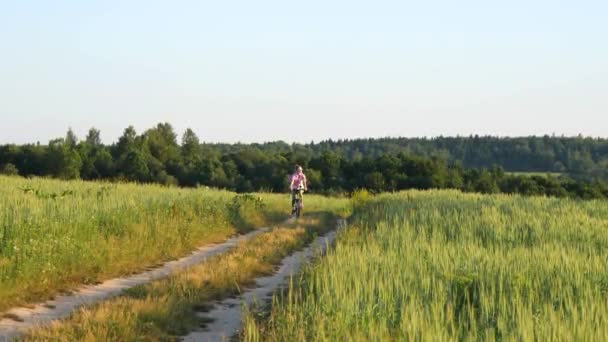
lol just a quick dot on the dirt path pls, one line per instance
(61, 307)
(226, 316)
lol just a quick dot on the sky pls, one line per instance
(255, 71)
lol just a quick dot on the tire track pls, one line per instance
(225, 318)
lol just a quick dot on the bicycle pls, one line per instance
(296, 210)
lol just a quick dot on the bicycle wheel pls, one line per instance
(298, 207)
(294, 209)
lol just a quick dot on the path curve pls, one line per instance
(45, 313)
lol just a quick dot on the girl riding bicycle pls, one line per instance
(297, 185)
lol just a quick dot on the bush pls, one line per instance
(360, 197)
(9, 169)
(245, 211)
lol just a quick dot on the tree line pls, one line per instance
(470, 164)
(579, 157)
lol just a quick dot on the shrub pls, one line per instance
(9, 170)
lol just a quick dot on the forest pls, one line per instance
(558, 166)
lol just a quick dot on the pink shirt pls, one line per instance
(297, 179)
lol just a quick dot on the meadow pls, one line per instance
(57, 235)
(443, 265)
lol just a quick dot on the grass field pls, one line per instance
(55, 235)
(442, 265)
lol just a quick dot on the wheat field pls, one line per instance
(442, 265)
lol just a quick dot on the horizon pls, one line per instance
(81, 136)
(271, 71)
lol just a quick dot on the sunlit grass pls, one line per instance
(55, 235)
(442, 265)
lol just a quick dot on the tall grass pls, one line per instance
(55, 235)
(442, 265)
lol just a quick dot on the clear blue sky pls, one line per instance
(306, 70)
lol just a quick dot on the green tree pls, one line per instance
(375, 182)
(486, 183)
(126, 143)
(70, 139)
(135, 167)
(162, 143)
(64, 161)
(329, 163)
(314, 180)
(93, 137)
(191, 147)
(191, 159)
(104, 164)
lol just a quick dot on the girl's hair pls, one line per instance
(298, 167)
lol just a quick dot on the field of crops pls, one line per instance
(442, 265)
(55, 235)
